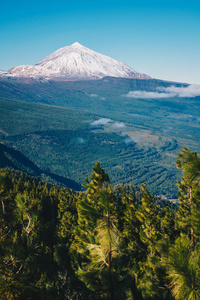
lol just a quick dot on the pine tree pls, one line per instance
(132, 244)
(183, 268)
(148, 215)
(97, 239)
(189, 186)
(168, 223)
(151, 279)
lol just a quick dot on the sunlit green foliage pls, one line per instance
(102, 243)
(183, 268)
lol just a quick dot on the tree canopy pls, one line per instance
(105, 242)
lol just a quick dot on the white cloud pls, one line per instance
(80, 140)
(118, 125)
(147, 95)
(102, 121)
(110, 125)
(192, 90)
(128, 140)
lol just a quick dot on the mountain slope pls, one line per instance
(77, 62)
(11, 158)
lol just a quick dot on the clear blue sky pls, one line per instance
(159, 38)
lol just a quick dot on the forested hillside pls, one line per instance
(66, 143)
(127, 124)
(106, 242)
(14, 159)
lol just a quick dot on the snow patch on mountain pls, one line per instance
(4, 73)
(29, 70)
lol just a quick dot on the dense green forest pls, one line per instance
(66, 143)
(64, 127)
(106, 242)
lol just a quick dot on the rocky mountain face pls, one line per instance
(76, 62)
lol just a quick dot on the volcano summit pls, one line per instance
(76, 62)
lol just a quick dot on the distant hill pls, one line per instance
(86, 95)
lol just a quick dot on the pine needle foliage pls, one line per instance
(98, 239)
(96, 244)
(183, 268)
(189, 196)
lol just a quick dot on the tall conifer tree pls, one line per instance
(189, 193)
(97, 238)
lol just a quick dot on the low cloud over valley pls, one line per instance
(190, 91)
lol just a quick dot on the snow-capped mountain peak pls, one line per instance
(76, 44)
(77, 62)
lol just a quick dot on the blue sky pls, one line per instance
(159, 38)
